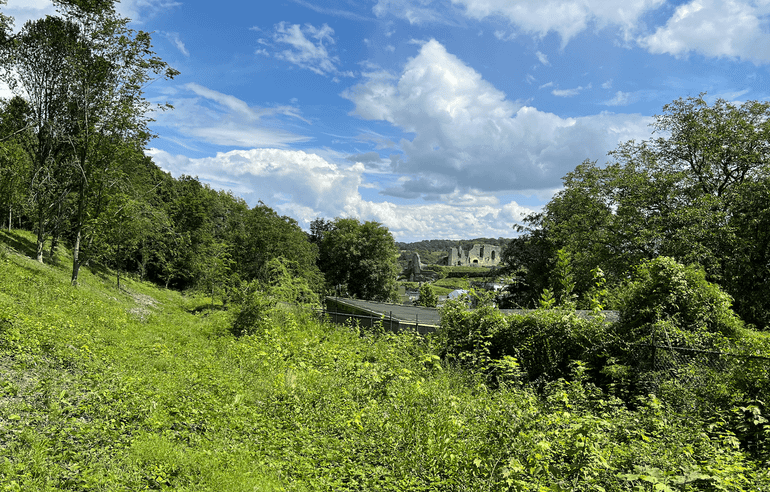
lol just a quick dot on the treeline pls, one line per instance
(444, 245)
(73, 170)
(699, 192)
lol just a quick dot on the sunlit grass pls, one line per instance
(147, 389)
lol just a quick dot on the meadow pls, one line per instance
(142, 388)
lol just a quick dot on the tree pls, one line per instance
(268, 236)
(360, 258)
(15, 165)
(428, 297)
(6, 24)
(690, 194)
(106, 75)
(747, 268)
(527, 260)
(35, 70)
(719, 146)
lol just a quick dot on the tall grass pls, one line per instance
(147, 389)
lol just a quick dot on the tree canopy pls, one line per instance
(695, 192)
(359, 258)
(82, 74)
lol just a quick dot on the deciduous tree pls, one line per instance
(36, 70)
(361, 258)
(693, 193)
(106, 75)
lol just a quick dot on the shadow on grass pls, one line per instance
(208, 307)
(19, 243)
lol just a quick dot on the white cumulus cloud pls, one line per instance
(305, 185)
(468, 135)
(716, 28)
(565, 17)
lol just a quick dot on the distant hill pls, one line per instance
(436, 245)
(431, 251)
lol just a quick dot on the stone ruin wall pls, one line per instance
(478, 255)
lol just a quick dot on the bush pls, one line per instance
(428, 298)
(252, 314)
(678, 303)
(544, 342)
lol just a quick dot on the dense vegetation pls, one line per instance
(142, 388)
(73, 170)
(697, 192)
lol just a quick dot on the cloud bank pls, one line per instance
(468, 135)
(305, 186)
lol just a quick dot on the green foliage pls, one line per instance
(547, 300)
(284, 283)
(564, 282)
(544, 342)
(360, 259)
(428, 297)
(677, 299)
(598, 295)
(266, 236)
(146, 389)
(697, 192)
(254, 307)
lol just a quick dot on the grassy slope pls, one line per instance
(103, 389)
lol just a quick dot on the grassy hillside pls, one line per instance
(143, 388)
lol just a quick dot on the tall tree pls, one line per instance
(35, 70)
(693, 193)
(6, 24)
(15, 165)
(360, 258)
(269, 236)
(106, 75)
(719, 146)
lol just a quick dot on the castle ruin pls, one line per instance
(478, 255)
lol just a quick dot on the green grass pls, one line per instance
(446, 285)
(147, 389)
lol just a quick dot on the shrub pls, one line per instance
(544, 342)
(679, 303)
(547, 342)
(282, 280)
(252, 314)
(428, 297)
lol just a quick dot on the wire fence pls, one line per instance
(697, 374)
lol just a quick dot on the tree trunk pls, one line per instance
(117, 269)
(40, 237)
(54, 243)
(76, 259)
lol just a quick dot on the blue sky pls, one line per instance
(440, 119)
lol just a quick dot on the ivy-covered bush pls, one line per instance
(543, 342)
(666, 301)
